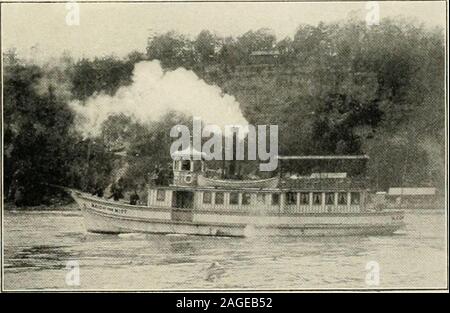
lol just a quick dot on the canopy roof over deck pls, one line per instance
(323, 157)
(354, 165)
(186, 154)
(412, 191)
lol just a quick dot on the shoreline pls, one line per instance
(71, 207)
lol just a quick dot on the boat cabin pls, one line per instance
(264, 200)
(306, 194)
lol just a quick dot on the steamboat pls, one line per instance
(321, 204)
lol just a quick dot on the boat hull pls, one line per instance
(111, 217)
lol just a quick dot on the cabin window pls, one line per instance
(219, 198)
(275, 199)
(234, 198)
(317, 198)
(160, 195)
(304, 198)
(329, 198)
(186, 165)
(291, 198)
(207, 197)
(246, 198)
(261, 198)
(342, 198)
(355, 198)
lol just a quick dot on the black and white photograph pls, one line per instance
(183, 146)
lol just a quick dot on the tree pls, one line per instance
(37, 137)
(340, 88)
(172, 49)
(105, 74)
(205, 45)
(286, 50)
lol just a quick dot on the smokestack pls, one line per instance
(232, 164)
(223, 163)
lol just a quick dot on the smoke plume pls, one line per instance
(153, 93)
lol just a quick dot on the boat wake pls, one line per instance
(132, 235)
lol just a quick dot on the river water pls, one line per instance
(47, 249)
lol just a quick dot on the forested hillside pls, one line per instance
(340, 88)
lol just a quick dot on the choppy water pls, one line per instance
(38, 245)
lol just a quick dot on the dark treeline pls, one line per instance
(341, 88)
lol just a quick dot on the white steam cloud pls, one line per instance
(153, 93)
